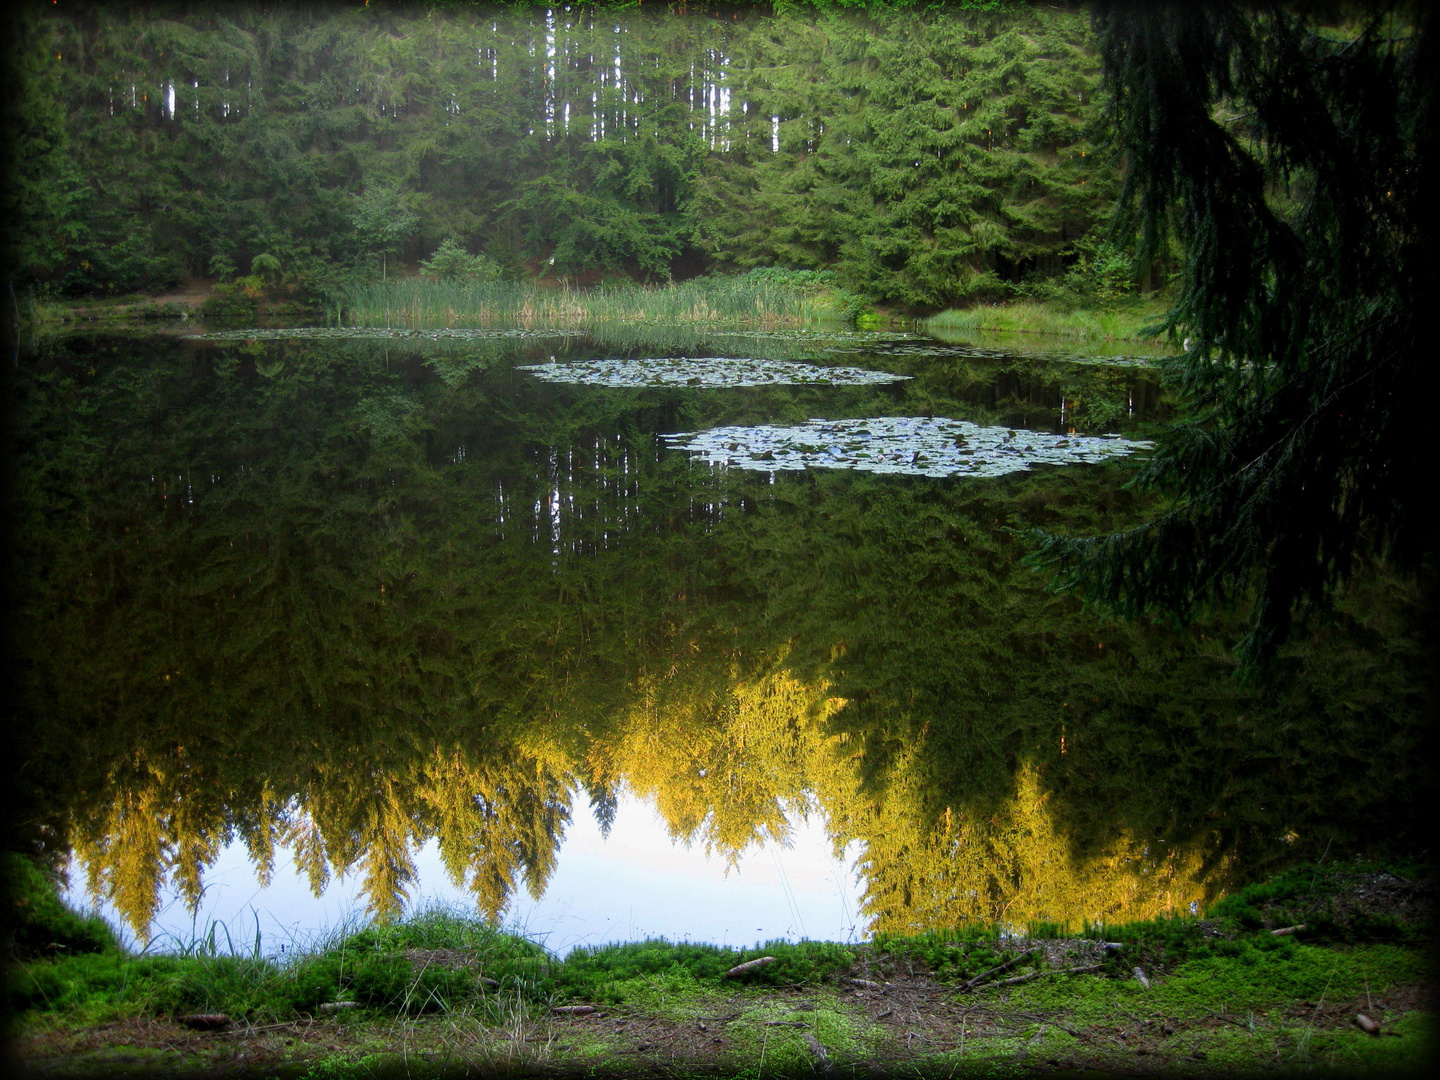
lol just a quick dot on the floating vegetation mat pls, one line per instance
(915, 445)
(705, 372)
(370, 333)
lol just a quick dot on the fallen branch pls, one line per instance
(748, 966)
(822, 1059)
(205, 1021)
(245, 1032)
(996, 970)
(573, 1010)
(1018, 979)
(1286, 930)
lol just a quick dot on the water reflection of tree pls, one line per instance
(312, 631)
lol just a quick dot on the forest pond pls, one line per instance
(327, 600)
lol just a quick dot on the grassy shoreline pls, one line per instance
(1125, 321)
(442, 992)
(759, 301)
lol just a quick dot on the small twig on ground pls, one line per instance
(1229, 1019)
(1047, 1020)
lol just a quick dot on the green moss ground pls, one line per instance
(442, 993)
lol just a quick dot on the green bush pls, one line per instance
(230, 301)
(451, 262)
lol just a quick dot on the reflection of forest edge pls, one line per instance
(336, 601)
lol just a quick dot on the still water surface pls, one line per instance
(405, 613)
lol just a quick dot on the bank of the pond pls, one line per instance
(1127, 320)
(1323, 969)
(193, 302)
(761, 301)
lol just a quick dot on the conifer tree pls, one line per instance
(1293, 162)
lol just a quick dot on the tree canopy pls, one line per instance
(927, 156)
(1293, 161)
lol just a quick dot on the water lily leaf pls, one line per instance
(712, 371)
(919, 446)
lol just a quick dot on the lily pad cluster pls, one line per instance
(374, 333)
(705, 372)
(914, 445)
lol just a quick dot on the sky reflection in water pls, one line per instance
(634, 883)
(346, 599)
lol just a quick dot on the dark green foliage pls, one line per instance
(1341, 903)
(1293, 163)
(38, 923)
(229, 302)
(1351, 903)
(98, 981)
(928, 158)
(927, 155)
(382, 221)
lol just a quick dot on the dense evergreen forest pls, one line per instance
(925, 156)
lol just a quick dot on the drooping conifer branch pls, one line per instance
(1289, 160)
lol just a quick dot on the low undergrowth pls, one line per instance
(1219, 992)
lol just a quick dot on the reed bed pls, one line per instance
(420, 304)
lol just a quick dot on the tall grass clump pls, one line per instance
(761, 300)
